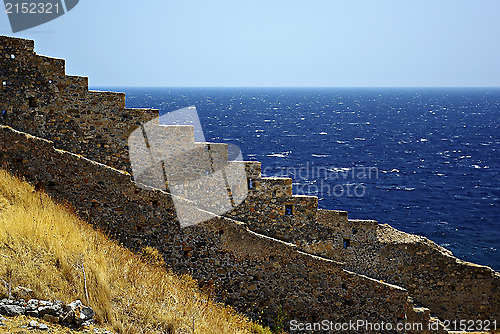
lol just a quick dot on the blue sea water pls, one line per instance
(426, 161)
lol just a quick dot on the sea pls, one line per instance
(424, 160)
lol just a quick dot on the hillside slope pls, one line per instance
(44, 247)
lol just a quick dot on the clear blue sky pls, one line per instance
(300, 43)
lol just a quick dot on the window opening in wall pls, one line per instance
(288, 209)
(12, 56)
(4, 83)
(347, 242)
(32, 102)
(250, 183)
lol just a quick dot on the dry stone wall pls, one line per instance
(37, 97)
(452, 288)
(250, 271)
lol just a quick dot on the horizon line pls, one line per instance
(307, 87)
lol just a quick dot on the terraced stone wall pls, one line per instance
(451, 288)
(36, 96)
(258, 275)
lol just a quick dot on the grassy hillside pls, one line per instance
(46, 248)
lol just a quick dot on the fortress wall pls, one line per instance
(253, 168)
(308, 287)
(17, 45)
(249, 271)
(218, 155)
(455, 289)
(107, 100)
(271, 187)
(103, 196)
(81, 83)
(40, 99)
(37, 97)
(52, 67)
(194, 163)
(451, 288)
(271, 216)
(331, 218)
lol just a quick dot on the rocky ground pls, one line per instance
(20, 316)
(24, 325)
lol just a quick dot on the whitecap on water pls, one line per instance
(404, 188)
(279, 155)
(339, 169)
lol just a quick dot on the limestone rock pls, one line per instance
(12, 310)
(51, 318)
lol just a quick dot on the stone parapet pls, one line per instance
(258, 275)
(273, 251)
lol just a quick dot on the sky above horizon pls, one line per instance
(277, 43)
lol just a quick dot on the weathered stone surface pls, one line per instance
(83, 314)
(51, 318)
(39, 98)
(54, 309)
(255, 273)
(451, 288)
(12, 310)
(282, 277)
(74, 313)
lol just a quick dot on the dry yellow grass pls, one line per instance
(44, 247)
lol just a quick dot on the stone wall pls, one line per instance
(451, 288)
(40, 99)
(37, 97)
(250, 271)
